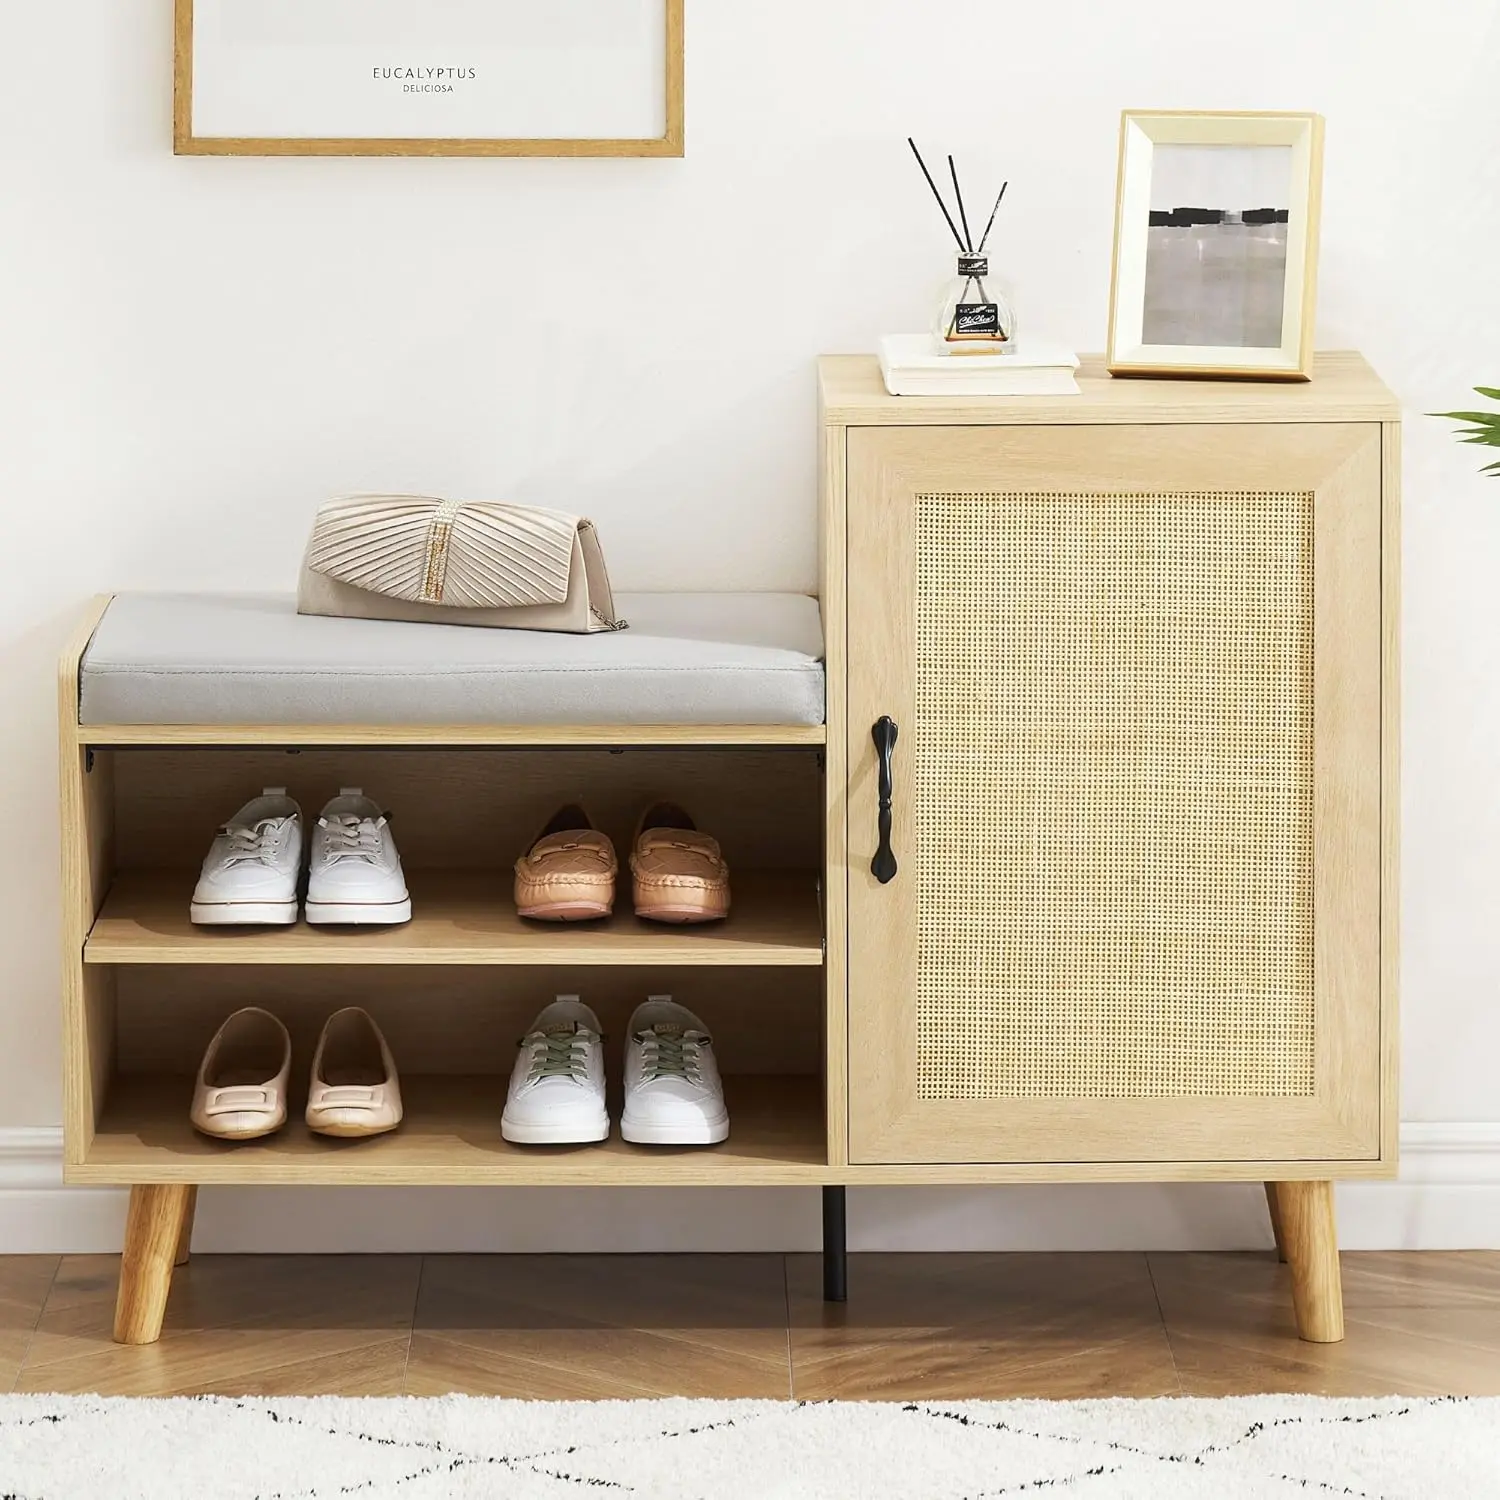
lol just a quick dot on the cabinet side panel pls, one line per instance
(832, 592)
(86, 827)
(1390, 795)
(1347, 875)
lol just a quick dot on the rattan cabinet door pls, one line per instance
(1135, 793)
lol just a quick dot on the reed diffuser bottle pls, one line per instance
(975, 316)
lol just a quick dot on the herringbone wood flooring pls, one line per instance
(916, 1326)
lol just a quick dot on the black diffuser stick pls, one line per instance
(963, 215)
(930, 183)
(996, 209)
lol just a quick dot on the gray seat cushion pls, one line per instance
(252, 659)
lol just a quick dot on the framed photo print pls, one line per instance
(1216, 244)
(429, 78)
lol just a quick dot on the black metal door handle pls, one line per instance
(885, 734)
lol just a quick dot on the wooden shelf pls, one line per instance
(455, 736)
(451, 1137)
(462, 917)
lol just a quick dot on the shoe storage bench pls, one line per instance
(158, 748)
(1064, 851)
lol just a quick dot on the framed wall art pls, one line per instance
(1216, 244)
(429, 78)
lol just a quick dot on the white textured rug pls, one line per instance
(214, 1448)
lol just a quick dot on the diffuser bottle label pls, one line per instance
(975, 319)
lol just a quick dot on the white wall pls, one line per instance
(193, 352)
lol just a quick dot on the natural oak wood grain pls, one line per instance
(833, 598)
(463, 917)
(1310, 1236)
(606, 1327)
(1390, 790)
(1347, 852)
(86, 818)
(1343, 389)
(185, 143)
(451, 1137)
(153, 1232)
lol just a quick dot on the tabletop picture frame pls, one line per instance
(429, 78)
(1216, 244)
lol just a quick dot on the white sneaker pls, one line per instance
(355, 873)
(251, 869)
(557, 1085)
(673, 1096)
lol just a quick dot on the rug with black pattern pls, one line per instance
(216, 1448)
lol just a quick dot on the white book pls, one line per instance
(916, 364)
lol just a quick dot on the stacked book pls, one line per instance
(919, 365)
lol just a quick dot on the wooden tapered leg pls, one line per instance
(1275, 1208)
(185, 1239)
(153, 1230)
(1312, 1251)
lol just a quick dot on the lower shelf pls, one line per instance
(451, 1138)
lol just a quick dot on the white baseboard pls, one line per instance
(1448, 1198)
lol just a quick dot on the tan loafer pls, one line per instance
(679, 873)
(240, 1094)
(568, 875)
(355, 1090)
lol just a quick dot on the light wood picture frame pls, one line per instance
(569, 78)
(1216, 244)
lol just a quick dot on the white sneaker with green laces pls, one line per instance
(557, 1085)
(673, 1096)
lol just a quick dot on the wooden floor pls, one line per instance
(917, 1326)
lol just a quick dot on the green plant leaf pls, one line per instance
(1482, 427)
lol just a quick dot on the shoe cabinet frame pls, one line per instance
(921, 497)
(143, 989)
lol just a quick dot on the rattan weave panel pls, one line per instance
(1114, 783)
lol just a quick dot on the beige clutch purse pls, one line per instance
(456, 562)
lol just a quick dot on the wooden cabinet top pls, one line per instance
(1343, 389)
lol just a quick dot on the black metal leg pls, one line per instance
(835, 1247)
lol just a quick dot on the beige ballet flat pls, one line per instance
(240, 1094)
(354, 1090)
(679, 873)
(568, 874)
